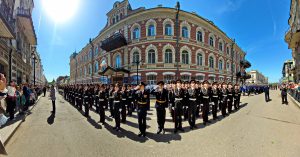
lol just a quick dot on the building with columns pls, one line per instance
(257, 78)
(292, 36)
(148, 37)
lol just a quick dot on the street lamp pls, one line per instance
(232, 70)
(137, 62)
(34, 59)
(177, 38)
(92, 44)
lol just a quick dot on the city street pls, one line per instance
(257, 129)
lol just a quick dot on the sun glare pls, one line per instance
(60, 10)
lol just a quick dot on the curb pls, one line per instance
(23, 119)
(294, 101)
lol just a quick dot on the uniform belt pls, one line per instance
(123, 99)
(224, 95)
(193, 99)
(178, 98)
(215, 96)
(130, 97)
(101, 99)
(161, 102)
(116, 101)
(142, 103)
(86, 96)
(205, 97)
(230, 94)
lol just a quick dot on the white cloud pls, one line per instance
(230, 6)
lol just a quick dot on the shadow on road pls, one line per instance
(94, 123)
(51, 118)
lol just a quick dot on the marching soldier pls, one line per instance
(111, 101)
(178, 94)
(192, 95)
(142, 107)
(130, 100)
(171, 97)
(101, 107)
(205, 92)
(215, 99)
(117, 97)
(185, 100)
(91, 96)
(161, 105)
(223, 95)
(86, 96)
(237, 96)
(124, 103)
(230, 97)
(80, 97)
(96, 98)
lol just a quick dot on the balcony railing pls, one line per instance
(23, 12)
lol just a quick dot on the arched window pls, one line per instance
(168, 56)
(121, 16)
(211, 62)
(199, 59)
(117, 18)
(96, 68)
(185, 32)
(136, 33)
(151, 56)
(168, 29)
(96, 51)
(90, 54)
(199, 36)
(185, 57)
(211, 41)
(227, 49)
(228, 66)
(151, 79)
(90, 69)
(233, 67)
(220, 65)
(114, 20)
(118, 61)
(220, 46)
(151, 30)
(103, 65)
(136, 57)
(85, 71)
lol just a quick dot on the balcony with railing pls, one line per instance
(6, 21)
(25, 19)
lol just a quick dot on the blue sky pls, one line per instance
(258, 27)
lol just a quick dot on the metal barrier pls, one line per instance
(295, 94)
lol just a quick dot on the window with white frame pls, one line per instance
(136, 57)
(151, 79)
(228, 66)
(136, 33)
(168, 56)
(199, 59)
(221, 79)
(118, 61)
(96, 51)
(220, 46)
(103, 65)
(227, 49)
(85, 71)
(211, 62)
(151, 30)
(185, 77)
(90, 69)
(220, 64)
(168, 78)
(185, 32)
(185, 57)
(199, 78)
(199, 36)
(211, 41)
(151, 56)
(96, 68)
(90, 54)
(168, 29)
(211, 78)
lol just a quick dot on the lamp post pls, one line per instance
(34, 59)
(232, 51)
(177, 39)
(137, 62)
(91, 42)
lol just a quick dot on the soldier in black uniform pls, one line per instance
(171, 99)
(129, 100)
(111, 101)
(86, 96)
(91, 103)
(223, 96)
(161, 104)
(117, 96)
(237, 96)
(205, 93)
(142, 107)
(185, 101)
(96, 97)
(230, 97)
(284, 94)
(192, 95)
(178, 94)
(80, 97)
(102, 97)
(215, 99)
(124, 103)
(199, 100)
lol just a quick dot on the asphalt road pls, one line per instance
(258, 129)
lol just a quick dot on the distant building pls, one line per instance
(257, 78)
(288, 71)
(292, 36)
(149, 36)
(62, 80)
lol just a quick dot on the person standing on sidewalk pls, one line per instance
(284, 94)
(52, 97)
(11, 100)
(267, 93)
(44, 90)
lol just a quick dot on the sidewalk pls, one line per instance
(11, 126)
(293, 100)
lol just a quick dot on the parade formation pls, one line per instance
(184, 100)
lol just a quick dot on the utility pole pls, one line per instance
(232, 61)
(177, 39)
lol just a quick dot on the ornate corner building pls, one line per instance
(17, 37)
(143, 42)
(292, 37)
